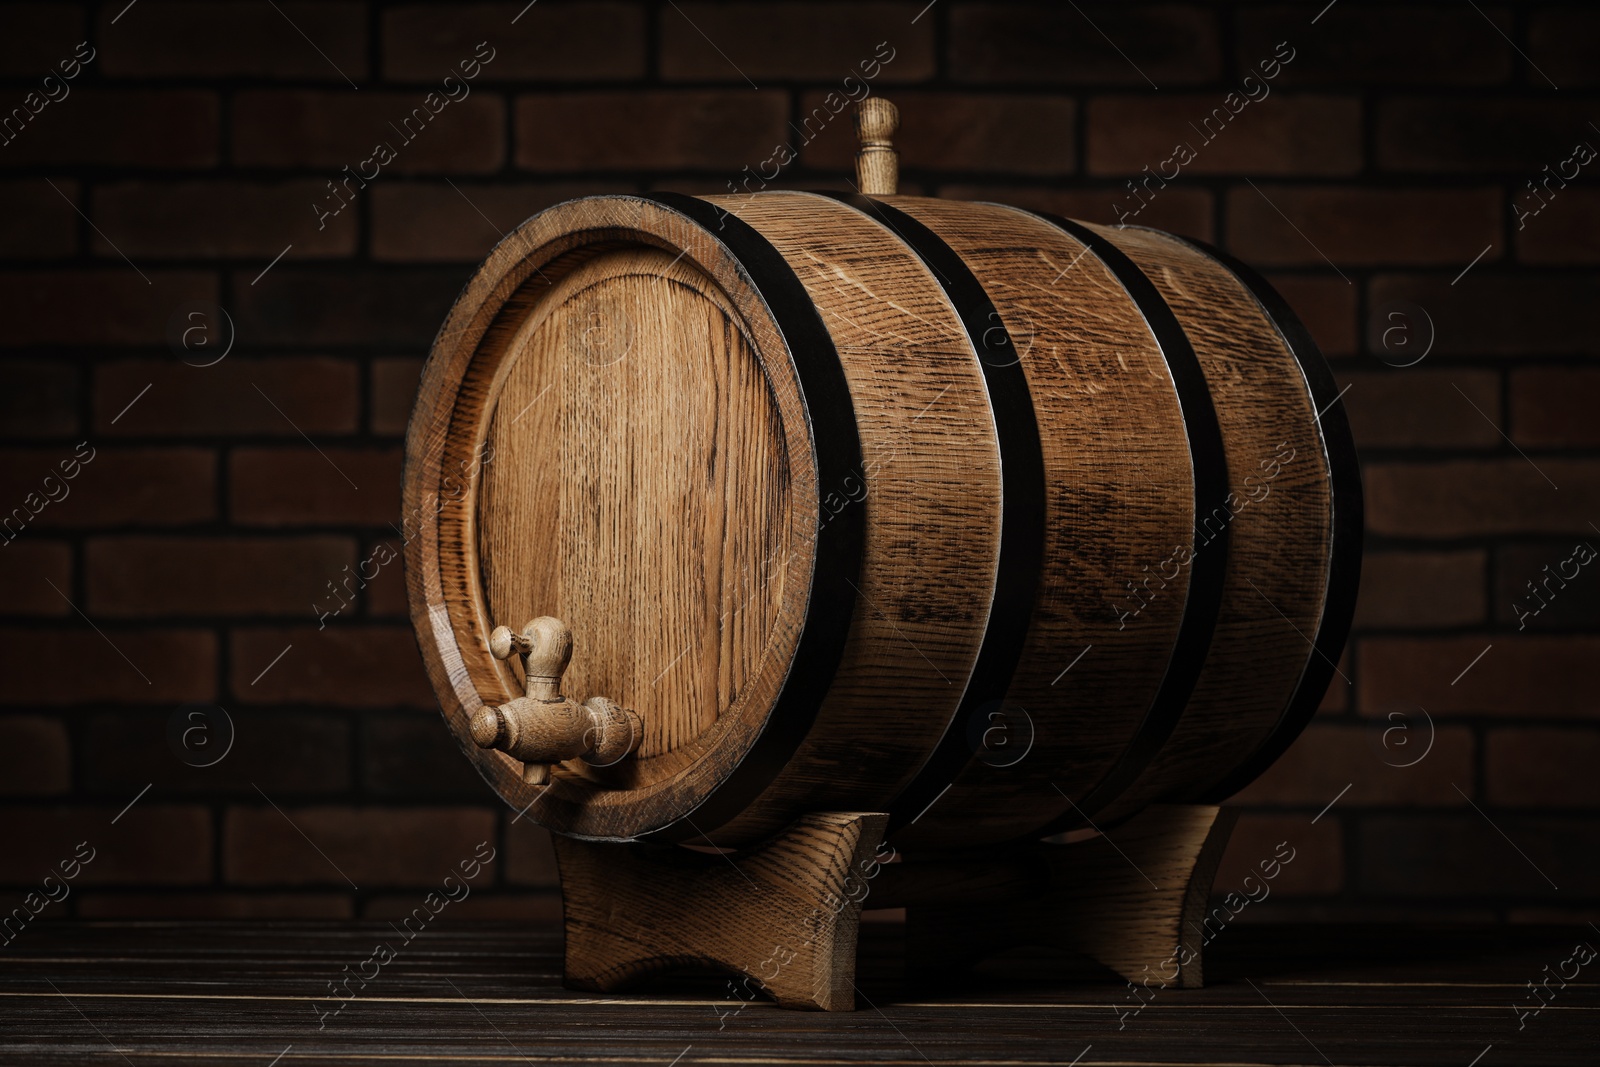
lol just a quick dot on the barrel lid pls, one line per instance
(611, 432)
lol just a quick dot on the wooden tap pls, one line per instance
(543, 727)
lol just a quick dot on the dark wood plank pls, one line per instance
(176, 993)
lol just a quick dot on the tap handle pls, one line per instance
(545, 645)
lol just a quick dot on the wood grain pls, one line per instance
(1137, 906)
(877, 163)
(640, 481)
(782, 914)
(450, 488)
(932, 488)
(1116, 459)
(617, 408)
(489, 992)
(1280, 531)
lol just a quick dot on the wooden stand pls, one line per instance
(1134, 901)
(784, 913)
(779, 913)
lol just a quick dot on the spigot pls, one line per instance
(543, 727)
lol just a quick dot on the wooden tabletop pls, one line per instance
(178, 993)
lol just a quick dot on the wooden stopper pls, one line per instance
(877, 163)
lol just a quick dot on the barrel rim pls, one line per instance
(453, 635)
(1347, 503)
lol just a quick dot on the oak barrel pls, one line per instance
(1000, 523)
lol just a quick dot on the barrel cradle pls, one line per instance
(994, 522)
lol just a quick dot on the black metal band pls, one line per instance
(1209, 560)
(836, 446)
(1022, 503)
(1344, 553)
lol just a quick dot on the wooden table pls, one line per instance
(178, 993)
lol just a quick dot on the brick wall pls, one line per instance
(176, 170)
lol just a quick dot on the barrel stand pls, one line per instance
(783, 914)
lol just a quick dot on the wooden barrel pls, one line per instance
(1000, 523)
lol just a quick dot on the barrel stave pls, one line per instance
(775, 520)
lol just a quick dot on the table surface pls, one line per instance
(253, 993)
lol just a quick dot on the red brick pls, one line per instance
(38, 37)
(1465, 856)
(1542, 768)
(165, 129)
(162, 577)
(1368, 758)
(1459, 134)
(530, 857)
(415, 756)
(279, 397)
(627, 130)
(1281, 134)
(1475, 497)
(1316, 866)
(791, 179)
(38, 398)
(48, 308)
(35, 756)
(370, 846)
(189, 907)
(786, 41)
(1547, 677)
(1011, 134)
(219, 220)
(194, 40)
(1416, 408)
(554, 42)
(1185, 211)
(47, 667)
(1562, 231)
(1567, 603)
(341, 666)
(1278, 225)
(1327, 307)
(416, 223)
(1554, 407)
(1172, 44)
(40, 221)
(394, 393)
(1415, 590)
(303, 486)
(338, 128)
(1377, 44)
(152, 843)
(117, 487)
(1485, 314)
(1561, 44)
(27, 570)
(282, 752)
(386, 594)
(346, 306)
